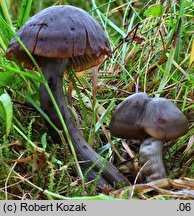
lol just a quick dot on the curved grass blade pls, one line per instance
(6, 110)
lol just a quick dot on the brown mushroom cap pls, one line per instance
(62, 32)
(163, 120)
(126, 119)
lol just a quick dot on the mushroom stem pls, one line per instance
(85, 153)
(151, 153)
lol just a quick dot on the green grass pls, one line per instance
(158, 65)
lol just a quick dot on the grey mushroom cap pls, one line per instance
(61, 32)
(127, 116)
(163, 120)
(139, 116)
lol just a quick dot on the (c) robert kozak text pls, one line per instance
(36, 207)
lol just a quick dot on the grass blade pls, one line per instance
(6, 110)
(25, 9)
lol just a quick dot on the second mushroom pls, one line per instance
(155, 120)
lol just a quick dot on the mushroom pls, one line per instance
(62, 37)
(138, 117)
